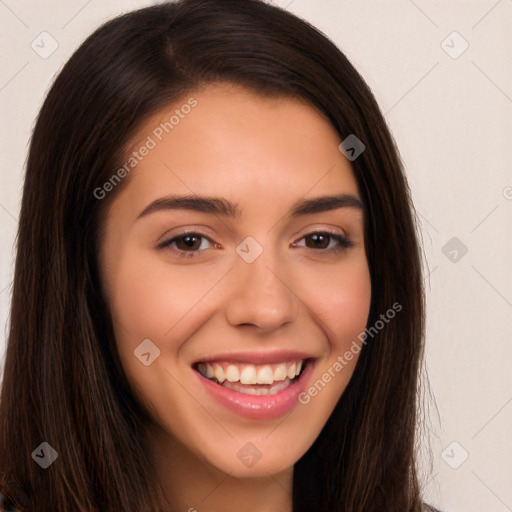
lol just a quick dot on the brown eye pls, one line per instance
(186, 244)
(321, 240)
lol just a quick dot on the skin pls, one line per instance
(263, 154)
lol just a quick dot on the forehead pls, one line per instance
(237, 144)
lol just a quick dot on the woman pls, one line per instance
(218, 295)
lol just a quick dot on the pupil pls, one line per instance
(318, 238)
(190, 241)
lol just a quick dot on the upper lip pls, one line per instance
(280, 356)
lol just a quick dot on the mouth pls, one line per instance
(253, 379)
(257, 391)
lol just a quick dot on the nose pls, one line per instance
(262, 294)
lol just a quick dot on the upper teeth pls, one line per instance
(250, 373)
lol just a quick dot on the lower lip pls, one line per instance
(262, 407)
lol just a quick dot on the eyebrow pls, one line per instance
(226, 208)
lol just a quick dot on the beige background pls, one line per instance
(451, 113)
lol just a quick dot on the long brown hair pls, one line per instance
(63, 382)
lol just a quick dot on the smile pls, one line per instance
(257, 391)
(245, 375)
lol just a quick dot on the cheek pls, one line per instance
(149, 298)
(341, 300)
(340, 305)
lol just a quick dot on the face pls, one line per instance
(235, 307)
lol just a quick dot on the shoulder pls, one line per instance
(7, 503)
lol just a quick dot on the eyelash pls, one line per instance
(344, 243)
